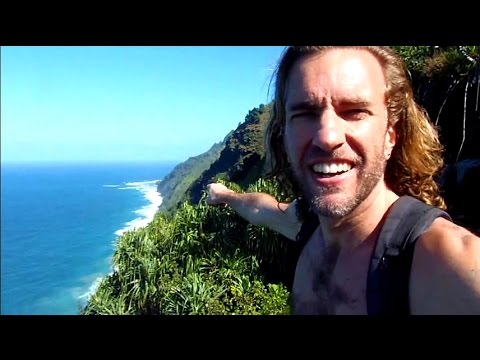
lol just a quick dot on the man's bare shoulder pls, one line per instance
(446, 270)
(446, 239)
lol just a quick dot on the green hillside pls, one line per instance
(175, 184)
(241, 160)
(204, 260)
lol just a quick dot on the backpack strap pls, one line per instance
(307, 229)
(389, 271)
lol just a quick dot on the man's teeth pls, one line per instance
(331, 168)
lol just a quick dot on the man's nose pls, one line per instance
(329, 134)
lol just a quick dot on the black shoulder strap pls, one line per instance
(389, 271)
(307, 229)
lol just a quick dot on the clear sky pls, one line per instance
(76, 104)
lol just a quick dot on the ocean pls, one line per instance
(59, 227)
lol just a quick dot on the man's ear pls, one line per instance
(390, 140)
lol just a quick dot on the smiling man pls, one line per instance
(347, 138)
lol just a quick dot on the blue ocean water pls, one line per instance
(59, 226)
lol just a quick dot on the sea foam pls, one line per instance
(147, 213)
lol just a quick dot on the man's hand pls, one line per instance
(257, 208)
(216, 193)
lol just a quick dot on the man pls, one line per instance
(347, 136)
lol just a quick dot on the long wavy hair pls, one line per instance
(417, 157)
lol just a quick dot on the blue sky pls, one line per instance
(77, 104)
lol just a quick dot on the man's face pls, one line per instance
(336, 128)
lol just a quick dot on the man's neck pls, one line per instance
(360, 225)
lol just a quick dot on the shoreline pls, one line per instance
(146, 214)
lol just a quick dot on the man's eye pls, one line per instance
(355, 113)
(306, 114)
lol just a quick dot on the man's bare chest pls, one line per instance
(329, 281)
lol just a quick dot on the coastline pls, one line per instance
(146, 213)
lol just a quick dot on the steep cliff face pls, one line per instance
(446, 80)
(175, 184)
(449, 90)
(447, 84)
(241, 160)
(454, 105)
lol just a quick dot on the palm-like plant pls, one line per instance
(203, 260)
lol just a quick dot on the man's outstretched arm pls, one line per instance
(258, 209)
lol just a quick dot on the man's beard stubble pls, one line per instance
(366, 182)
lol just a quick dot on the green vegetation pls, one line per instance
(205, 260)
(174, 185)
(446, 81)
(434, 62)
(241, 161)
